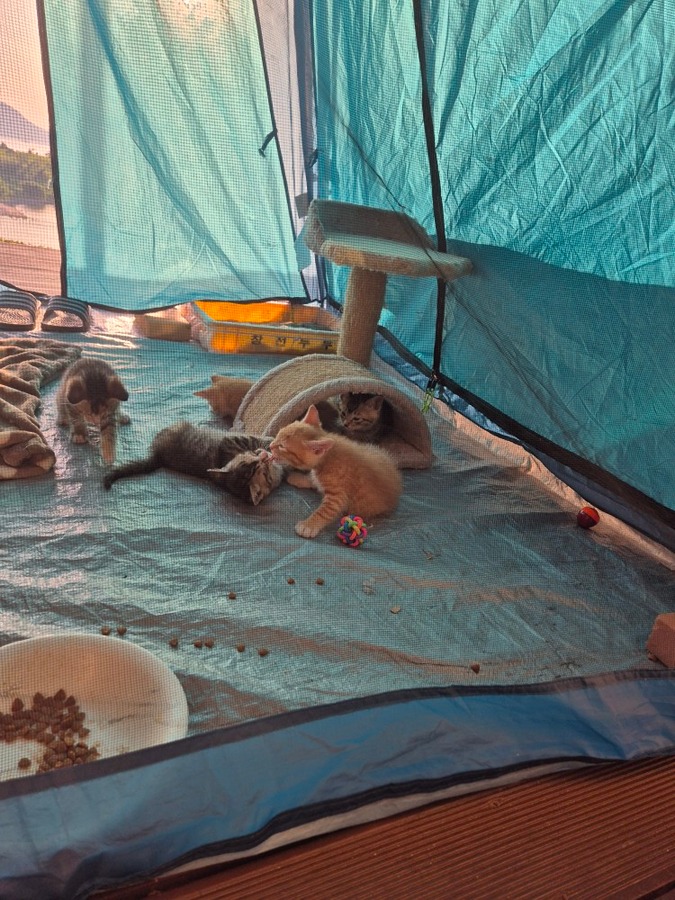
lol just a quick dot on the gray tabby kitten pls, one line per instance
(238, 463)
(90, 394)
(363, 417)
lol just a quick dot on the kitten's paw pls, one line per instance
(306, 529)
(108, 447)
(107, 452)
(299, 479)
(124, 420)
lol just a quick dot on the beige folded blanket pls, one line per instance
(25, 365)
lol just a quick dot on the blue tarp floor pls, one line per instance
(483, 562)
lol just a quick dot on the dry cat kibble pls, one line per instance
(240, 648)
(121, 629)
(232, 596)
(209, 642)
(290, 580)
(105, 629)
(320, 581)
(199, 644)
(56, 722)
(263, 651)
(173, 642)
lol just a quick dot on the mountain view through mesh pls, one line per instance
(27, 212)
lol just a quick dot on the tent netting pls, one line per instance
(158, 152)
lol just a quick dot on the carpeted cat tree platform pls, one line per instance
(283, 394)
(374, 243)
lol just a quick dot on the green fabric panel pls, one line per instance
(581, 360)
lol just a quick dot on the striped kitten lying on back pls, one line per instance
(239, 463)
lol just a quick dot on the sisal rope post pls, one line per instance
(360, 316)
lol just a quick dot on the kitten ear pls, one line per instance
(76, 391)
(312, 416)
(318, 448)
(222, 470)
(217, 403)
(375, 402)
(257, 494)
(116, 389)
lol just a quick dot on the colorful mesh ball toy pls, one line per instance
(588, 517)
(352, 531)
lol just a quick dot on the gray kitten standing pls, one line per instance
(90, 394)
(238, 463)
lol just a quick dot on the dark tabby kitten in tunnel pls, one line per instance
(363, 417)
(90, 394)
(238, 463)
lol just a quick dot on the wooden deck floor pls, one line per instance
(601, 833)
(30, 268)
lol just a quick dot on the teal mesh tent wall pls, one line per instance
(163, 119)
(178, 169)
(551, 135)
(187, 139)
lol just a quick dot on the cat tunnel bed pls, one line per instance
(286, 391)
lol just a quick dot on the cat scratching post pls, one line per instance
(374, 243)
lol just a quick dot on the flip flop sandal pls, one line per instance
(65, 314)
(18, 311)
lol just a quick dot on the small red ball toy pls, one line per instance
(588, 517)
(352, 531)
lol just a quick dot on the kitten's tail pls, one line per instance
(137, 467)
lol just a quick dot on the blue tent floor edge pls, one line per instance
(229, 790)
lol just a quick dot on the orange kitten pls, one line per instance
(360, 479)
(225, 394)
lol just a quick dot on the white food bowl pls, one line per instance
(131, 699)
